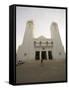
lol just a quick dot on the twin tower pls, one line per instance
(26, 51)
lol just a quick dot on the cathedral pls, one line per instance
(41, 48)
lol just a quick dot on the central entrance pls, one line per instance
(43, 55)
(50, 55)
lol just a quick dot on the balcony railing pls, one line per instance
(43, 44)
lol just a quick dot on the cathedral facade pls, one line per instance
(41, 47)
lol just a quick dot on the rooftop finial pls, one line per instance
(30, 21)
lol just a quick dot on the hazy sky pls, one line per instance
(42, 18)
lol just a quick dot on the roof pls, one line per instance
(42, 38)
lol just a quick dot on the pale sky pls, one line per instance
(42, 19)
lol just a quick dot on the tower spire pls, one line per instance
(27, 48)
(58, 49)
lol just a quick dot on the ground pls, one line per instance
(49, 70)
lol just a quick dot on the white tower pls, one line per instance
(26, 50)
(58, 50)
